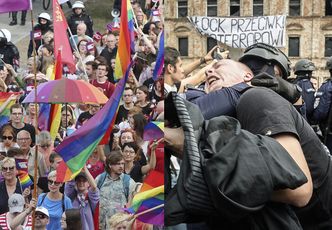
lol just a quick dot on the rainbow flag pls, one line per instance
(152, 180)
(149, 199)
(49, 116)
(126, 39)
(22, 172)
(76, 149)
(4, 116)
(153, 130)
(63, 173)
(158, 69)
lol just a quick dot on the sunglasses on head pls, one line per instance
(7, 137)
(5, 169)
(40, 215)
(51, 182)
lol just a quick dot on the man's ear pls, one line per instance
(169, 68)
(248, 77)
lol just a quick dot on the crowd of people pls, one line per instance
(252, 141)
(114, 172)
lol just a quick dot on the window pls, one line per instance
(212, 9)
(183, 46)
(294, 7)
(294, 47)
(210, 43)
(328, 7)
(257, 8)
(182, 8)
(328, 46)
(234, 8)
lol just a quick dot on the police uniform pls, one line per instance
(75, 19)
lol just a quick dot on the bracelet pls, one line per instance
(202, 60)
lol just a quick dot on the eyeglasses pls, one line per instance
(17, 114)
(23, 139)
(52, 182)
(129, 151)
(40, 215)
(5, 169)
(7, 137)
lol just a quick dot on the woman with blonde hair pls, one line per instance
(121, 221)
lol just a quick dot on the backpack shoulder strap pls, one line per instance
(125, 182)
(101, 180)
(63, 203)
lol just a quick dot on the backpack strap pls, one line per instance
(63, 203)
(101, 180)
(125, 182)
(43, 198)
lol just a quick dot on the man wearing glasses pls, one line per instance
(116, 188)
(16, 121)
(128, 104)
(24, 141)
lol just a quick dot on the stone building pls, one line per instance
(308, 26)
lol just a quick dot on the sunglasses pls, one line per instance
(5, 169)
(51, 182)
(45, 146)
(7, 137)
(40, 215)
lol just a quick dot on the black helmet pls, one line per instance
(304, 65)
(329, 63)
(270, 54)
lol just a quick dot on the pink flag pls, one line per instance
(60, 37)
(14, 5)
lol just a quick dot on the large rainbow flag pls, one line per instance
(148, 200)
(76, 149)
(5, 99)
(126, 39)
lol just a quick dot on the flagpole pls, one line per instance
(149, 210)
(35, 172)
(80, 57)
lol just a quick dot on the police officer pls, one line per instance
(44, 25)
(79, 16)
(8, 51)
(322, 113)
(303, 70)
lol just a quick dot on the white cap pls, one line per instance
(42, 210)
(5, 33)
(78, 4)
(45, 16)
(16, 203)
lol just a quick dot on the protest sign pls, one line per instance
(241, 32)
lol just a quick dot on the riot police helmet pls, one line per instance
(304, 65)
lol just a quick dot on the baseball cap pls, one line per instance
(42, 210)
(81, 174)
(16, 203)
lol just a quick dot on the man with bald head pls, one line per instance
(75, 39)
(24, 141)
(227, 80)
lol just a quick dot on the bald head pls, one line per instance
(226, 73)
(81, 29)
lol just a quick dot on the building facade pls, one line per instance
(308, 26)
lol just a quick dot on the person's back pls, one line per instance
(273, 116)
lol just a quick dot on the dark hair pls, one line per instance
(114, 157)
(16, 106)
(136, 148)
(171, 56)
(73, 219)
(49, 48)
(104, 64)
(145, 89)
(9, 128)
(14, 151)
(139, 124)
(52, 156)
(70, 110)
(93, 64)
(101, 59)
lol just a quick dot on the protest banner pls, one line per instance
(241, 32)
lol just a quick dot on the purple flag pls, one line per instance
(14, 5)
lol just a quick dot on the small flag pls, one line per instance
(14, 5)
(154, 130)
(23, 176)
